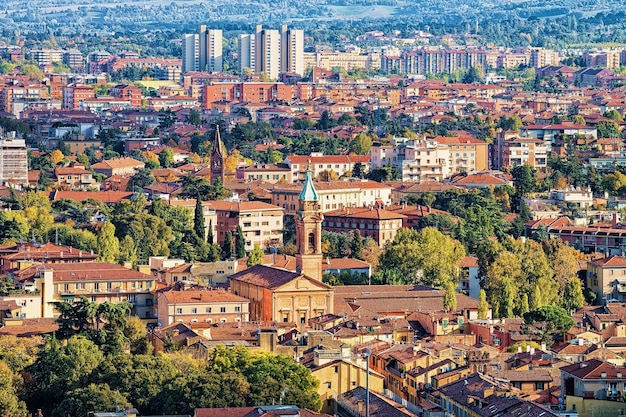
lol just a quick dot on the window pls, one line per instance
(222, 309)
(336, 369)
(328, 384)
(194, 310)
(237, 309)
(93, 298)
(208, 309)
(539, 385)
(179, 311)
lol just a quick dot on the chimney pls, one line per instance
(614, 220)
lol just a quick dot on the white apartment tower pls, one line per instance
(203, 51)
(272, 52)
(292, 50)
(191, 52)
(13, 160)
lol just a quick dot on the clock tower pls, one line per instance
(309, 231)
(218, 153)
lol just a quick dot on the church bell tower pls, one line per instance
(217, 157)
(309, 231)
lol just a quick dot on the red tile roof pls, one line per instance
(267, 277)
(613, 261)
(364, 213)
(103, 196)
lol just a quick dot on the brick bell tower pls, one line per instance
(309, 231)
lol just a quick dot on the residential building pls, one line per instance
(75, 177)
(118, 166)
(291, 50)
(348, 60)
(203, 51)
(268, 52)
(261, 223)
(479, 395)
(379, 224)
(271, 173)
(199, 305)
(540, 57)
(13, 160)
(510, 150)
(593, 383)
(334, 195)
(607, 278)
(97, 281)
(75, 94)
(22, 255)
(258, 411)
(416, 159)
(128, 92)
(466, 153)
(317, 162)
(352, 403)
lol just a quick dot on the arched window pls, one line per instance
(311, 242)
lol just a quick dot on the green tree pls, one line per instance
(240, 243)
(210, 239)
(608, 129)
(548, 322)
(194, 118)
(449, 298)
(525, 180)
(614, 115)
(483, 306)
(128, 250)
(108, 246)
(92, 398)
(361, 144)
(503, 276)
(573, 298)
(198, 220)
(356, 245)
(166, 157)
(579, 120)
(227, 246)
(10, 404)
(255, 257)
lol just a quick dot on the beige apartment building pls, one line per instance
(466, 153)
(417, 159)
(98, 281)
(334, 195)
(607, 278)
(261, 223)
(346, 60)
(200, 305)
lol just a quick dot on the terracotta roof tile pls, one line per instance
(203, 296)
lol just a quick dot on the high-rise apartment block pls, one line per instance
(13, 160)
(292, 50)
(272, 52)
(203, 51)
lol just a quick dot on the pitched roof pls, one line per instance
(118, 163)
(75, 271)
(365, 213)
(614, 261)
(267, 277)
(103, 196)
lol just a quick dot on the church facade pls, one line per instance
(285, 296)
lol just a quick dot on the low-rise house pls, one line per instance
(74, 178)
(595, 382)
(118, 166)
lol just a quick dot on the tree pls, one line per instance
(92, 398)
(524, 178)
(356, 245)
(166, 157)
(108, 246)
(573, 298)
(240, 243)
(608, 129)
(361, 144)
(198, 220)
(255, 257)
(10, 404)
(427, 257)
(128, 250)
(614, 115)
(483, 306)
(358, 171)
(548, 322)
(503, 275)
(449, 298)
(210, 239)
(227, 247)
(194, 117)
(57, 157)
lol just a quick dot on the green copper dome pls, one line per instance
(308, 192)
